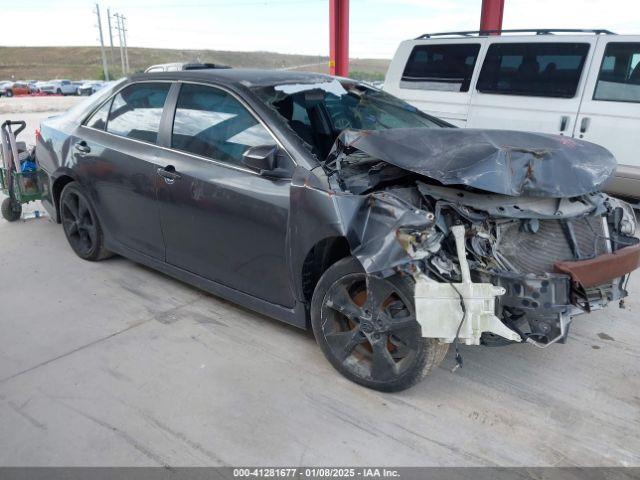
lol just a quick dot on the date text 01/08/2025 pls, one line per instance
(285, 472)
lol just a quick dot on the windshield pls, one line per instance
(319, 112)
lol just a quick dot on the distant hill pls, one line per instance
(75, 63)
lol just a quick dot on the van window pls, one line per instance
(535, 69)
(440, 67)
(619, 77)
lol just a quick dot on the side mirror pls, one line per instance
(262, 158)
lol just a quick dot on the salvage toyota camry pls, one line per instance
(328, 204)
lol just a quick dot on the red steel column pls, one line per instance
(491, 16)
(339, 37)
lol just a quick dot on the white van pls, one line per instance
(580, 83)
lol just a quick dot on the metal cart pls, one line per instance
(20, 176)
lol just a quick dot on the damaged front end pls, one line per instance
(505, 243)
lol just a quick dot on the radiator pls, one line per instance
(537, 252)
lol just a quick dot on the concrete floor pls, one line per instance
(111, 363)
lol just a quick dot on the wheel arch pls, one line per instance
(319, 258)
(56, 190)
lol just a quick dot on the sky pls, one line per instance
(290, 26)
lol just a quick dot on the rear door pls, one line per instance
(435, 77)
(532, 85)
(610, 111)
(221, 220)
(116, 152)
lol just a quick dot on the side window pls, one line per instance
(619, 77)
(212, 123)
(440, 67)
(136, 111)
(99, 118)
(535, 69)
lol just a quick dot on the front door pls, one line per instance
(219, 219)
(610, 111)
(117, 148)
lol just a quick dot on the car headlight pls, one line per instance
(628, 223)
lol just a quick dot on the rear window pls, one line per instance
(440, 67)
(136, 111)
(99, 118)
(534, 69)
(619, 77)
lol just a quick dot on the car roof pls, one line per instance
(245, 76)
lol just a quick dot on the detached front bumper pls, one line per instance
(590, 273)
(546, 303)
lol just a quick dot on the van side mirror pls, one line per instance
(264, 159)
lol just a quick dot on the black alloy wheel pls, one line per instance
(374, 342)
(80, 224)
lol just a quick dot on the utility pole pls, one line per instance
(119, 28)
(113, 58)
(124, 35)
(105, 67)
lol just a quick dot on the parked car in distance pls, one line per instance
(77, 84)
(47, 87)
(90, 87)
(323, 202)
(40, 84)
(32, 86)
(15, 88)
(58, 87)
(174, 67)
(580, 84)
(3, 86)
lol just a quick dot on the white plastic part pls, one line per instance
(438, 307)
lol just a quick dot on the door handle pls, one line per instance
(584, 125)
(82, 147)
(169, 174)
(564, 121)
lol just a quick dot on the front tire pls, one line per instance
(376, 345)
(9, 93)
(11, 210)
(80, 224)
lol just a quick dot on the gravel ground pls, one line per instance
(21, 105)
(111, 363)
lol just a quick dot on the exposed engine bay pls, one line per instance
(515, 264)
(507, 234)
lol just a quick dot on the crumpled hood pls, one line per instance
(499, 161)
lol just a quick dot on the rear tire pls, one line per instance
(11, 210)
(81, 225)
(388, 357)
(9, 93)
